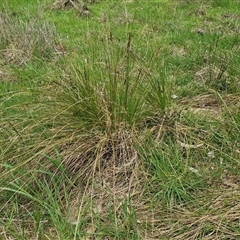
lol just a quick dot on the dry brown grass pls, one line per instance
(211, 104)
(25, 40)
(215, 216)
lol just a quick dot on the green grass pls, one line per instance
(123, 123)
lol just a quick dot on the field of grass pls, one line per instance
(120, 119)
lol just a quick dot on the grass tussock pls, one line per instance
(95, 118)
(132, 133)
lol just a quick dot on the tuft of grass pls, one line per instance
(94, 116)
(131, 131)
(115, 89)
